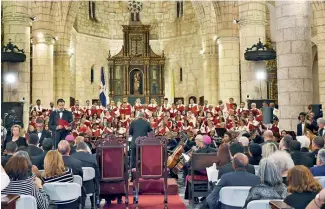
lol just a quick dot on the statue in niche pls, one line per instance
(118, 74)
(154, 74)
(136, 86)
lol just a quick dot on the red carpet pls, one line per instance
(152, 202)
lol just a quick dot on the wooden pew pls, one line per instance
(9, 201)
(279, 205)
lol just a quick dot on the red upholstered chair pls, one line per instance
(152, 153)
(112, 160)
(198, 184)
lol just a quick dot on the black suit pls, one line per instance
(321, 132)
(38, 160)
(74, 164)
(89, 160)
(228, 168)
(33, 150)
(59, 134)
(301, 158)
(236, 178)
(138, 127)
(45, 134)
(5, 159)
(299, 129)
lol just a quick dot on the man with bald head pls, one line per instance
(74, 164)
(269, 138)
(240, 177)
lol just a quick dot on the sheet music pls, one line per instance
(186, 157)
(212, 173)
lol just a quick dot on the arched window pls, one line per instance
(91, 75)
(92, 10)
(179, 8)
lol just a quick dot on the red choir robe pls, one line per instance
(193, 108)
(275, 128)
(138, 107)
(180, 108)
(108, 130)
(152, 107)
(173, 113)
(124, 123)
(96, 132)
(166, 107)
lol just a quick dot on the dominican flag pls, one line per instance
(102, 96)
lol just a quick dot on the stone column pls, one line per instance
(62, 76)
(17, 24)
(210, 81)
(252, 21)
(42, 85)
(320, 24)
(293, 44)
(228, 68)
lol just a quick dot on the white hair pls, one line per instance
(243, 140)
(282, 160)
(268, 149)
(321, 155)
(304, 141)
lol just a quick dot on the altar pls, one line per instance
(136, 71)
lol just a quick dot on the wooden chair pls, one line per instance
(278, 204)
(112, 159)
(152, 153)
(198, 184)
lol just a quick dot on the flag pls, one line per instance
(102, 90)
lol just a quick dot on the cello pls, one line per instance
(177, 153)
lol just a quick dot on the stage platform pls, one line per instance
(153, 186)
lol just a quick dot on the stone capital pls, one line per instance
(227, 39)
(17, 20)
(251, 21)
(46, 39)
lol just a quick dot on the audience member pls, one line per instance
(10, 151)
(40, 131)
(234, 149)
(302, 186)
(73, 163)
(38, 160)
(271, 186)
(32, 148)
(317, 144)
(283, 162)
(268, 138)
(88, 160)
(255, 153)
(70, 138)
(298, 157)
(15, 137)
(245, 142)
(23, 182)
(55, 171)
(268, 149)
(240, 177)
(319, 170)
(223, 155)
(4, 179)
(304, 142)
(285, 143)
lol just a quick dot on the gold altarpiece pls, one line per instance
(136, 71)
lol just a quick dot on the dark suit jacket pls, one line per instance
(318, 170)
(236, 178)
(33, 150)
(54, 117)
(5, 159)
(74, 164)
(38, 160)
(301, 158)
(228, 168)
(299, 129)
(45, 134)
(89, 160)
(139, 127)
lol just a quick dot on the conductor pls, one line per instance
(138, 127)
(59, 132)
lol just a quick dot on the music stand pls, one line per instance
(293, 134)
(220, 131)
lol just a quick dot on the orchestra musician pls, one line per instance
(60, 131)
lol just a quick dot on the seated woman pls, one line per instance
(302, 186)
(15, 137)
(203, 146)
(268, 149)
(271, 186)
(283, 162)
(23, 181)
(54, 171)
